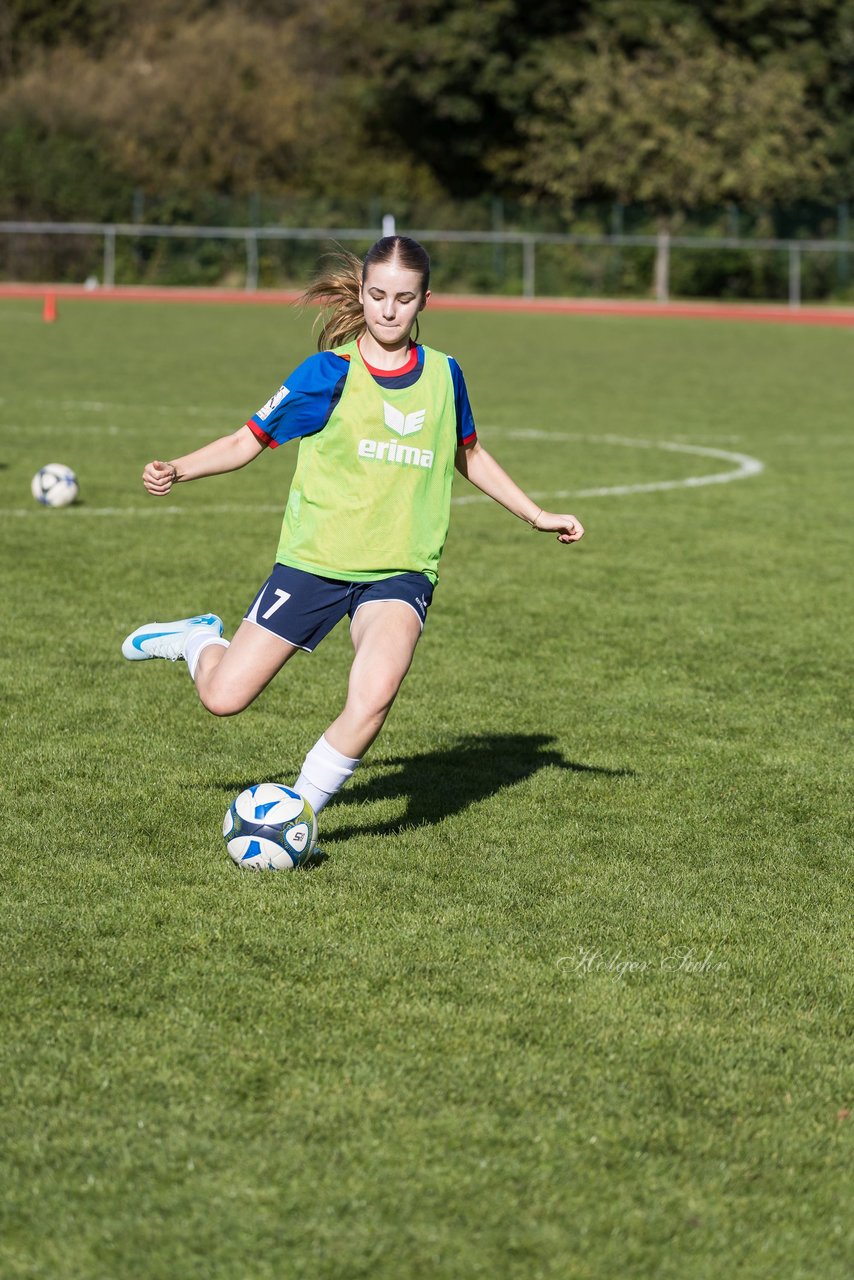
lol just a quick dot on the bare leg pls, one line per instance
(384, 633)
(229, 679)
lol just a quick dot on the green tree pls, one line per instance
(691, 100)
(816, 39)
(30, 26)
(444, 80)
(677, 125)
(223, 103)
(458, 85)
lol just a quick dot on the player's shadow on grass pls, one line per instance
(440, 783)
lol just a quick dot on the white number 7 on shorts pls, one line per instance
(283, 596)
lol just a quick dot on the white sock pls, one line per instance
(195, 643)
(324, 772)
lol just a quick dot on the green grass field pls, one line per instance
(570, 994)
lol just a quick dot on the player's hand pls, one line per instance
(159, 477)
(567, 528)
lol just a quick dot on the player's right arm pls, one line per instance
(229, 453)
(300, 407)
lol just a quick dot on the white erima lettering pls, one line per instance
(391, 451)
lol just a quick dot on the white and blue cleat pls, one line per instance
(167, 639)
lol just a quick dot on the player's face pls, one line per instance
(391, 298)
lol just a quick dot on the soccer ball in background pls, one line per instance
(270, 828)
(55, 485)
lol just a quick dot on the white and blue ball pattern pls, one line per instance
(55, 485)
(269, 827)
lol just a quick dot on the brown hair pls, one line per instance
(338, 286)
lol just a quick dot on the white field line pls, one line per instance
(155, 509)
(214, 411)
(69, 432)
(742, 467)
(219, 417)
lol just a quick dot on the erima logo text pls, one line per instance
(403, 424)
(391, 451)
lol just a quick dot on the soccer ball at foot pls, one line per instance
(270, 828)
(55, 485)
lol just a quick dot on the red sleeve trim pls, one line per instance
(470, 439)
(261, 435)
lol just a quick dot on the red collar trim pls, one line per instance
(411, 362)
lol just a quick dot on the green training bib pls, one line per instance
(371, 494)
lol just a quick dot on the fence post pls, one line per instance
(251, 261)
(843, 262)
(109, 257)
(498, 247)
(794, 275)
(529, 267)
(662, 267)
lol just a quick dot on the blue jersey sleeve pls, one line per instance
(466, 433)
(303, 404)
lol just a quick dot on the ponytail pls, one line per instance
(337, 288)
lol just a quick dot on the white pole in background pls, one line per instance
(389, 228)
(109, 257)
(662, 267)
(794, 276)
(251, 262)
(529, 267)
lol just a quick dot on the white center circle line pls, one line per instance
(744, 466)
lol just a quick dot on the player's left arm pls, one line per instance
(481, 469)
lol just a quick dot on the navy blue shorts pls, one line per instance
(302, 608)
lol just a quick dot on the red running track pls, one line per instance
(768, 313)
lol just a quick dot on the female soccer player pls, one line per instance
(382, 422)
